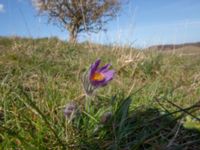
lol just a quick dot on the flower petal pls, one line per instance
(94, 67)
(108, 76)
(104, 68)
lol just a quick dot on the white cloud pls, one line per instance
(1, 8)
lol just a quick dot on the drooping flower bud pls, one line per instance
(70, 110)
(106, 117)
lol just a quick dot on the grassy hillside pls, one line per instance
(154, 97)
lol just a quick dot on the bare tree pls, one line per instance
(79, 15)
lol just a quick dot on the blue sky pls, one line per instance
(141, 23)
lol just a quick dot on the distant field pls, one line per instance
(38, 77)
(176, 46)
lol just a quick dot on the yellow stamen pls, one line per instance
(98, 76)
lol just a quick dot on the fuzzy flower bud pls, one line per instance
(106, 117)
(70, 110)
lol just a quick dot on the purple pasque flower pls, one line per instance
(99, 77)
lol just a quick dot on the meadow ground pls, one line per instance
(154, 98)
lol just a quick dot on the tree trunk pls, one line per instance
(72, 38)
(72, 35)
